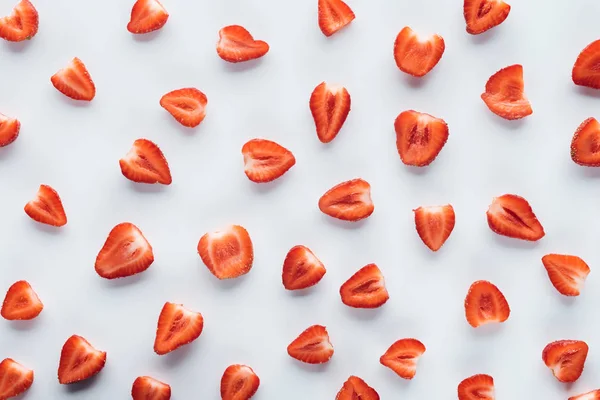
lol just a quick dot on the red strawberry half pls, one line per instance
(47, 207)
(585, 71)
(419, 137)
(265, 161)
(356, 389)
(9, 130)
(14, 378)
(126, 252)
(79, 360)
(312, 346)
(227, 253)
(236, 44)
(434, 225)
(187, 106)
(505, 94)
(511, 215)
(145, 163)
(21, 24)
(239, 382)
(417, 55)
(566, 359)
(333, 16)
(485, 304)
(585, 146)
(593, 395)
(301, 269)
(147, 388)
(477, 387)
(567, 273)
(74, 81)
(176, 326)
(481, 15)
(348, 201)
(402, 357)
(329, 105)
(365, 289)
(147, 16)
(21, 302)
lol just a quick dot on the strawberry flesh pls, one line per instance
(593, 395)
(566, 359)
(146, 163)
(15, 379)
(365, 289)
(482, 15)
(265, 161)
(511, 215)
(585, 71)
(567, 273)
(301, 269)
(485, 304)
(227, 253)
(417, 55)
(585, 146)
(329, 105)
(9, 130)
(434, 225)
(147, 388)
(419, 137)
(177, 326)
(239, 382)
(505, 94)
(333, 16)
(79, 360)
(236, 44)
(348, 201)
(312, 346)
(477, 387)
(74, 81)
(47, 207)
(187, 106)
(21, 24)
(147, 16)
(21, 302)
(356, 389)
(402, 357)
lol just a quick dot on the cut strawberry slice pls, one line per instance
(434, 225)
(585, 146)
(482, 15)
(145, 163)
(505, 94)
(177, 326)
(9, 130)
(312, 346)
(79, 360)
(74, 81)
(566, 359)
(227, 253)
(147, 16)
(356, 389)
(402, 357)
(239, 382)
(21, 302)
(265, 161)
(585, 71)
(47, 207)
(485, 304)
(593, 395)
(419, 137)
(329, 105)
(477, 387)
(333, 16)
(187, 106)
(301, 269)
(365, 289)
(21, 24)
(567, 273)
(511, 215)
(417, 55)
(147, 388)
(14, 378)
(348, 201)
(236, 44)
(126, 252)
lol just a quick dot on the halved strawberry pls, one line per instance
(265, 161)
(567, 273)
(47, 207)
(187, 106)
(419, 137)
(585, 71)
(593, 395)
(74, 81)
(79, 360)
(585, 146)
(21, 302)
(477, 387)
(227, 253)
(348, 201)
(356, 389)
(333, 16)
(146, 163)
(147, 16)
(239, 382)
(482, 15)
(312, 346)
(402, 357)
(329, 105)
(177, 326)
(511, 215)
(365, 289)
(236, 44)
(9, 130)
(434, 224)
(417, 55)
(147, 388)
(21, 24)
(485, 304)
(14, 378)
(505, 94)
(566, 359)
(301, 269)
(126, 252)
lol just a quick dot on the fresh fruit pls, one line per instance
(348, 201)
(511, 215)
(329, 105)
(9, 130)
(356, 389)
(402, 357)
(236, 44)
(47, 207)
(365, 289)
(227, 253)
(147, 388)
(21, 302)
(593, 395)
(419, 137)
(417, 55)
(187, 106)
(333, 16)
(301, 269)
(567, 273)
(145, 163)
(14, 378)
(74, 81)
(585, 146)
(147, 16)
(434, 224)
(477, 387)
(485, 304)
(585, 71)
(126, 252)
(79, 360)
(481, 15)
(312, 346)
(265, 161)
(566, 359)
(21, 24)
(505, 94)
(177, 326)
(239, 382)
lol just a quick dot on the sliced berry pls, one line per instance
(227, 253)
(239, 382)
(365, 289)
(177, 326)
(511, 215)
(236, 44)
(593, 395)
(434, 225)
(402, 357)
(79, 360)
(333, 16)
(348, 201)
(585, 71)
(21, 24)
(15, 379)
(505, 94)
(485, 304)
(301, 269)
(312, 346)
(265, 161)
(9, 130)
(356, 389)
(482, 15)
(417, 55)
(419, 137)
(74, 81)
(567, 273)
(585, 146)
(147, 388)
(329, 105)
(21, 302)
(145, 163)
(187, 106)
(566, 359)
(477, 387)
(147, 16)
(47, 207)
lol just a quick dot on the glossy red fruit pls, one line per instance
(356, 389)
(477, 387)
(74, 81)
(419, 137)
(21, 302)
(236, 44)
(239, 382)
(566, 359)
(434, 224)
(227, 253)
(333, 16)
(265, 161)
(511, 215)
(329, 106)
(301, 269)
(9, 130)
(21, 24)
(402, 357)
(485, 304)
(567, 273)
(365, 289)
(177, 326)
(482, 15)
(146, 163)
(147, 388)
(147, 16)
(348, 201)
(593, 395)
(15, 379)
(47, 208)
(417, 55)
(505, 94)
(187, 106)
(585, 146)
(585, 71)
(312, 346)
(79, 360)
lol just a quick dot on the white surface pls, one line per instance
(75, 148)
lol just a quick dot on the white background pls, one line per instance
(75, 148)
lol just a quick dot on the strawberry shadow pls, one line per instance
(587, 91)
(303, 292)
(512, 243)
(511, 125)
(147, 187)
(364, 314)
(267, 186)
(184, 130)
(486, 330)
(177, 357)
(17, 47)
(75, 388)
(344, 224)
(228, 284)
(586, 172)
(71, 102)
(25, 325)
(415, 82)
(567, 301)
(126, 281)
(8, 151)
(397, 381)
(242, 66)
(45, 228)
(310, 368)
(485, 37)
(146, 37)
(419, 171)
